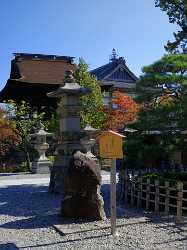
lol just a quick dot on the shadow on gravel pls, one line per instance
(8, 246)
(32, 223)
(32, 201)
(27, 200)
(35, 202)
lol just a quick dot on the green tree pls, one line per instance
(177, 13)
(52, 124)
(162, 88)
(93, 103)
(24, 120)
(162, 93)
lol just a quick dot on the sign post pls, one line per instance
(110, 145)
(113, 197)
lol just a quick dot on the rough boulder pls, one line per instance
(82, 197)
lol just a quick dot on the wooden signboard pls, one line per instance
(110, 145)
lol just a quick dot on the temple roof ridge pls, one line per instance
(35, 56)
(115, 70)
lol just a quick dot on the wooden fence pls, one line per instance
(163, 197)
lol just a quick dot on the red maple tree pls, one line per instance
(124, 111)
(8, 134)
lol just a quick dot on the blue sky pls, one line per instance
(83, 28)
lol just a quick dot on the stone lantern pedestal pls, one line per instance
(41, 164)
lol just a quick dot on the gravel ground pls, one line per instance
(28, 214)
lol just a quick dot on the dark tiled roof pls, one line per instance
(112, 72)
(103, 71)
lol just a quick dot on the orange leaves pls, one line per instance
(124, 111)
(8, 135)
(124, 102)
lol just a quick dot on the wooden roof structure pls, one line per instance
(32, 76)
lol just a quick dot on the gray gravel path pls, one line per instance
(28, 213)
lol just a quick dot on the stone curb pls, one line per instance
(74, 228)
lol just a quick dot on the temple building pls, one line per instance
(115, 75)
(32, 76)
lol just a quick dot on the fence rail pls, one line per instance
(161, 197)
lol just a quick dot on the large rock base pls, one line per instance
(82, 199)
(82, 208)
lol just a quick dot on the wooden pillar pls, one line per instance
(126, 187)
(167, 192)
(147, 194)
(113, 197)
(179, 218)
(139, 198)
(132, 191)
(157, 194)
(121, 184)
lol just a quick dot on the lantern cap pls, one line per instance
(70, 87)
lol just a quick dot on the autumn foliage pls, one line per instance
(124, 111)
(8, 134)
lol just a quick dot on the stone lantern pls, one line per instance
(74, 173)
(70, 131)
(41, 164)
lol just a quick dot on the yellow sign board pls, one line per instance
(110, 144)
